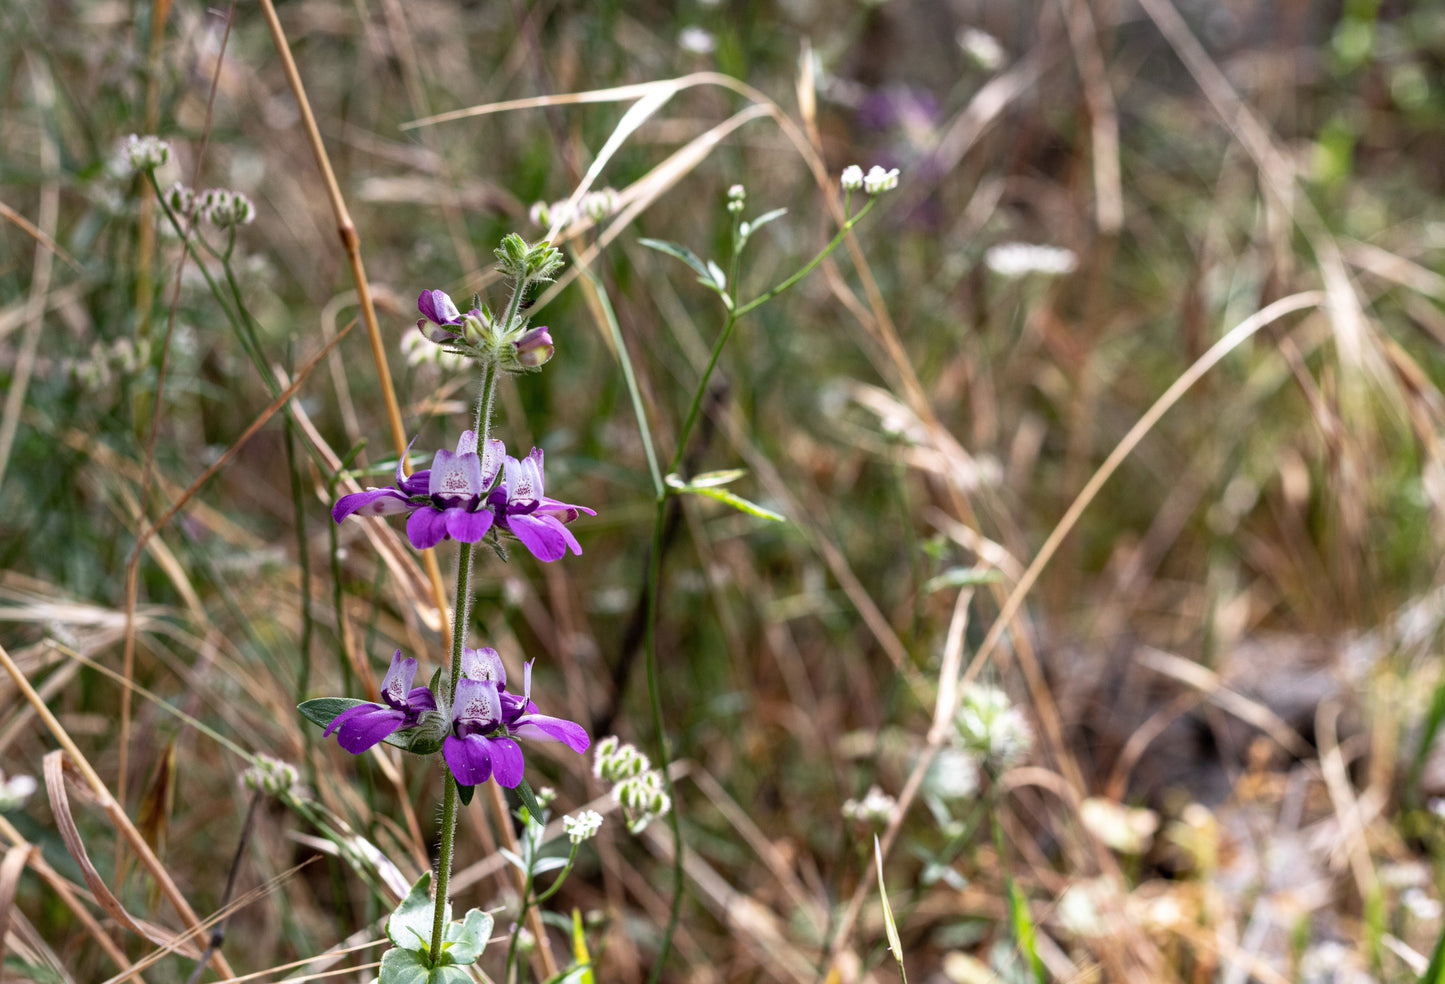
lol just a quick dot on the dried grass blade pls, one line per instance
(10, 870)
(60, 807)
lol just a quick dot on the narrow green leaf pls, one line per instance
(679, 252)
(1435, 972)
(889, 926)
(767, 217)
(543, 865)
(716, 276)
(736, 501)
(529, 800)
(962, 577)
(322, 711)
(1023, 927)
(580, 952)
(708, 480)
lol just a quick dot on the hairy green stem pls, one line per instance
(449, 798)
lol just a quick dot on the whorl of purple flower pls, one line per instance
(360, 727)
(485, 718)
(445, 500)
(531, 516)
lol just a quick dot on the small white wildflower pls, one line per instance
(224, 208)
(988, 725)
(877, 180)
(1420, 905)
(597, 205)
(875, 808)
(953, 775)
(1124, 829)
(642, 799)
(737, 193)
(546, 796)
(541, 214)
(15, 791)
(852, 177)
(145, 153)
(696, 40)
(1019, 259)
(982, 48)
(583, 826)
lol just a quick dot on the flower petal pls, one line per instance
(397, 682)
(438, 307)
(484, 664)
(478, 706)
(507, 761)
(493, 456)
(564, 511)
(457, 474)
(545, 536)
(372, 502)
(468, 526)
(524, 482)
(544, 727)
(365, 725)
(421, 699)
(427, 527)
(469, 758)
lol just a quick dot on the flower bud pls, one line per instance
(145, 153)
(877, 180)
(437, 307)
(852, 177)
(181, 200)
(534, 348)
(540, 214)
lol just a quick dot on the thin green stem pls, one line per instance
(449, 798)
(836, 241)
(692, 411)
(530, 856)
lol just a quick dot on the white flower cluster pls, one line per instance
(144, 153)
(224, 208)
(737, 199)
(15, 791)
(418, 351)
(583, 826)
(875, 182)
(638, 787)
(271, 775)
(99, 370)
(989, 726)
(595, 205)
(1021, 259)
(875, 808)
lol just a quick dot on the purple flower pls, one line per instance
(360, 727)
(529, 515)
(485, 718)
(445, 500)
(534, 347)
(437, 309)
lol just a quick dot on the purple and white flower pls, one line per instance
(447, 500)
(360, 727)
(485, 720)
(529, 515)
(438, 310)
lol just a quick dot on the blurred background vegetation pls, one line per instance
(1240, 636)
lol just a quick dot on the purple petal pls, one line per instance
(457, 474)
(469, 758)
(564, 511)
(484, 664)
(414, 484)
(438, 307)
(365, 725)
(478, 705)
(545, 536)
(397, 683)
(372, 502)
(544, 727)
(507, 762)
(427, 527)
(469, 527)
(421, 699)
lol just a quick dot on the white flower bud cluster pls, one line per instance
(595, 205)
(583, 826)
(638, 786)
(989, 726)
(1021, 259)
(15, 791)
(271, 775)
(224, 208)
(852, 177)
(546, 796)
(737, 199)
(877, 180)
(105, 363)
(875, 808)
(419, 351)
(144, 153)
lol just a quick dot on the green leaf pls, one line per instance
(465, 792)
(579, 951)
(889, 926)
(529, 800)
(724, 496)
(466, 940)
(962, 577)
(399, 966)
(679, 252)
(323, 710)
(712, 479)
(410, 926)
(765, 218)
(543, 865)
(715, 277)
(1023, 927)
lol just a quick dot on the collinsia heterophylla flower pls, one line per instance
(365, 725)
(531, 516)
(455, 488)
(485, 717)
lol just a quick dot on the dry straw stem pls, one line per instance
(351, 242)
(107, 802)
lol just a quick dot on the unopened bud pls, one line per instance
(534, 348)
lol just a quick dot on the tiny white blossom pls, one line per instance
(15, 791)
(583, 826)
(1019, 259)
(145, 153)
(697, 41)
(541, 214)
(982, 48)
(852, 177)
(876, 807)
(989, 726)
(877, 180)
